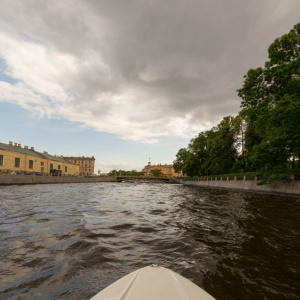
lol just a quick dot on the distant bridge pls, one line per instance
(146, 179)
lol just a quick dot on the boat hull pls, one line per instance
(153, 282)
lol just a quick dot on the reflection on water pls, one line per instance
(70, 241)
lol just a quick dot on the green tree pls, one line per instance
(191, 165)
(113, 173)
(133, 173)
(157, 173)
(178, 163)
(240, 128)
(200, 148)
(211, 152)
(221, 145)
(271, 100)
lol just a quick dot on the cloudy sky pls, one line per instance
(129, 79)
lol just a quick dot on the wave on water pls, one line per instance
(69, 242)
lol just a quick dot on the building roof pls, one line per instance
(158, 166)
(80, 157)
(56, 158)
(17, 148)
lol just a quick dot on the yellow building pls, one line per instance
(166, 169)
(14, 158)
(86, 164)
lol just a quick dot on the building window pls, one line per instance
(59, 166)
(31, 164)
(42, 164)
(42, 169)
(66, 169)
(51, 166)
(1, 160)
(17, 162)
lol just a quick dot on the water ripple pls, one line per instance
(70, 241)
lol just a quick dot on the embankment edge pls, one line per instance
(292, 188)
(34, 179)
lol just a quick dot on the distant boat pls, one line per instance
(129, 181)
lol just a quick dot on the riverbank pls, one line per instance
(292, 188)
(36, 179)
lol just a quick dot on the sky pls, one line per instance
(130, 80)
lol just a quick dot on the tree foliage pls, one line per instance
(157, 173)
(271, 99)
(265, 136)
(211, 152)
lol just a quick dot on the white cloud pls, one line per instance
(21, 95)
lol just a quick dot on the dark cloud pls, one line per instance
(142, 61)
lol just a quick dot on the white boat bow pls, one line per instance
(153, 283)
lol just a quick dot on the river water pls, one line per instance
(70, 241)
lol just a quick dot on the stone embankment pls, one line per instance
(292, 188)
(35, 179)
